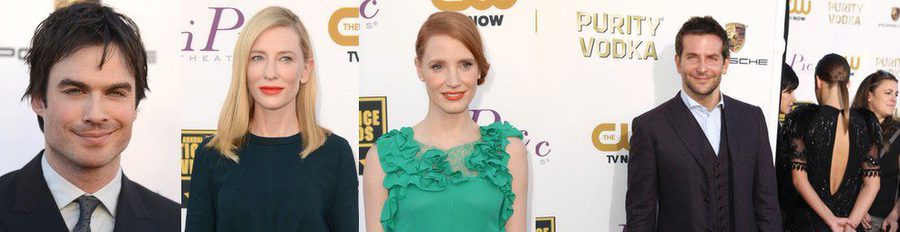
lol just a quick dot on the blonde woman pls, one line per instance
(270, 166)
(446, 173)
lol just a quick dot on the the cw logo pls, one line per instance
(334, 23)
(801, 7)
(854, 62)
(606, 132)
(459, 5)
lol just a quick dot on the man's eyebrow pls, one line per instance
(70, 82)
(122, 85)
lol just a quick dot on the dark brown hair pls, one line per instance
(861, 100)
(705, 25)
(459, 27)
(789, 80)
(77, 26)
(834, 69)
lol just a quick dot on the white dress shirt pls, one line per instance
(710, 120)
(64, 193)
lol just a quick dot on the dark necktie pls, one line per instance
(86, 207)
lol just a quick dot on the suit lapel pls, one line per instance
(34, 205)
(688, 131)
(730, 122)
(131, 210)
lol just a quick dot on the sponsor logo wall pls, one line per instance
(863, 31)
(571, 76)
(372, 125)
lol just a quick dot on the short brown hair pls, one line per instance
(705, 25)
(458, 27)
(72, 28)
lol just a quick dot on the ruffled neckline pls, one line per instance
(412, 136)
(431, 171)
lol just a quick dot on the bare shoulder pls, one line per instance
(515, 148)
(372, 154)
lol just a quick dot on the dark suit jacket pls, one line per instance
(669, 179)
(26, 204)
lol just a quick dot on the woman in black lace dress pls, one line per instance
(788, 199)
(835, 161)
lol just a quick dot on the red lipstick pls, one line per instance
(271, 90)
(453, 96)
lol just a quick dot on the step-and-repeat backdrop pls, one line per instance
(866, 32)
(571, 75)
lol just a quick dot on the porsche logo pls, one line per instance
(737, 33)
(895, 14)
(59, 4)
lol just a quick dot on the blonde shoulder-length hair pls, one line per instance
(237, 110)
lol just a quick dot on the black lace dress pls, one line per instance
(815, 125)
(788, 198)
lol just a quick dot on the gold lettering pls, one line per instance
(333, 29)
(606, 132)
(459, 5)
(800, 7)
(586, 50)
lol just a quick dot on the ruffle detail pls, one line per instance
(873, 126)
(796, 122)
(490, 160)
(432, 172)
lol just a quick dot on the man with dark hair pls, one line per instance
(88, 72)
(701, 161)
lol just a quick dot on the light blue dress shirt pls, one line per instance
(710, 120)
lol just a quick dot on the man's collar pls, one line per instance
(64, 192)
(691, 103)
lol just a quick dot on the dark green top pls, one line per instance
(273, 189)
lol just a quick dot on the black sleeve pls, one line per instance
(795, 127)
(344, 213)
(871, 165)
(795, 123)
(201, 212)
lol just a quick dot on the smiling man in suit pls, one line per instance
(701, 161)
(88, 72)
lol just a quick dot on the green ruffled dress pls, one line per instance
(464, 188)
